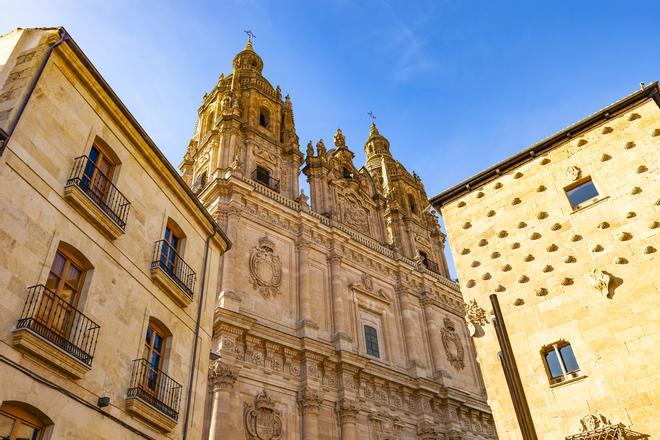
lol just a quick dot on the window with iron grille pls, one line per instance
(371, 341)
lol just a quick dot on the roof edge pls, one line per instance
(122, 107)
(651, 91)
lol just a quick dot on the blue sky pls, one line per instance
(456, 85)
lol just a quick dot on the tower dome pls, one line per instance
(247, 59)
(376, 143)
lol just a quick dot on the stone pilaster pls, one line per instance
(435, 336)
(340, 310)
(348, 411)
(310, 404)
(221, 381)
(305, 321)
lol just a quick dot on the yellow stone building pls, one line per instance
(108, 262)
(565, 236)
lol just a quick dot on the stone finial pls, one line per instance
(310, 149)
(340, 139)
(320, 148)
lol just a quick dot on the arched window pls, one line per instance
(411, 204)
(264, 117)
(560, 362)
(210, 119)
(99, 170)
(172, 246)
(20, 422)
(346, 174)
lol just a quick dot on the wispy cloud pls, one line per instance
(409, 41)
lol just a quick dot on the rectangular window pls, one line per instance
(560, 362)
(263, 175)
(371, 341)
(581, 193)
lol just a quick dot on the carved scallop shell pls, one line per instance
(523, 279)
(629, 145)
(483, 242)
(465, 251)
(502, 233)
(517, 175)
(498, 185)
(529, 258)
(545, 161)
(541, 291)
(548, 268)
(519, 302)
(521, 225)
(515, 201)
(461, 204)
(506, 268)
(555, 227)
(490, 213)
(553, 247)
(605, 157)
(514, 245)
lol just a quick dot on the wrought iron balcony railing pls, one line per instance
(100, 190)
(57, 321)
(155, 388)
(168, 260)
(265, 180)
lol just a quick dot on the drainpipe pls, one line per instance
(197, 328)
(64, 36)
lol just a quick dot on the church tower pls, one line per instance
(334, 321)
(245, 126)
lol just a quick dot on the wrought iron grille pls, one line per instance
(99, 189)
(155, 388)
(265, 179)
(609, 432)
(57, 321)
(168, 260)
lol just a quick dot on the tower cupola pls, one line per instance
(248, 60)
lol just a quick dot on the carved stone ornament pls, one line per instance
(367, 281)
(262, 421)
(221, 376)
(265, 268)
(591, 422)
(600, 281)
(475, 316)
(573, 173)
(453, 345)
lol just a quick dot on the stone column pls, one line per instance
(434, 333)
(304, 285)
(340, 311)
(221, 381)
(310, 404)
(348, 411)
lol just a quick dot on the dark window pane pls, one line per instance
(371, 341)
(569, 359)
(552, 362)
(582, 193)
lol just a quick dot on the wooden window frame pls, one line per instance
(149, 347)
(566, 375)
(578, 184)
(369, 343)
(22, 416)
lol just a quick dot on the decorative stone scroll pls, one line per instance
(265, 268)
(262, 421)
(453, 345)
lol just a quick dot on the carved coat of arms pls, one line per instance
(262, 421)
(265, 268)
(453, 345)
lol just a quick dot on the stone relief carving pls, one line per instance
(355, 216)
(573, 173)
(475, 316)
(592, 422)
(385, 427)
(221, 376)
(265, 268)
(600, 281)
(596, 427)
(262, 420)
(453, 345)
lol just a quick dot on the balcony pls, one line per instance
(94, 196)
(264, 179)
(430, 265)
(153, 396)
(172, 274)
(57, 332)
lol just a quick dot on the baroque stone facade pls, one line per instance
(565, 234)
(335, 317)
